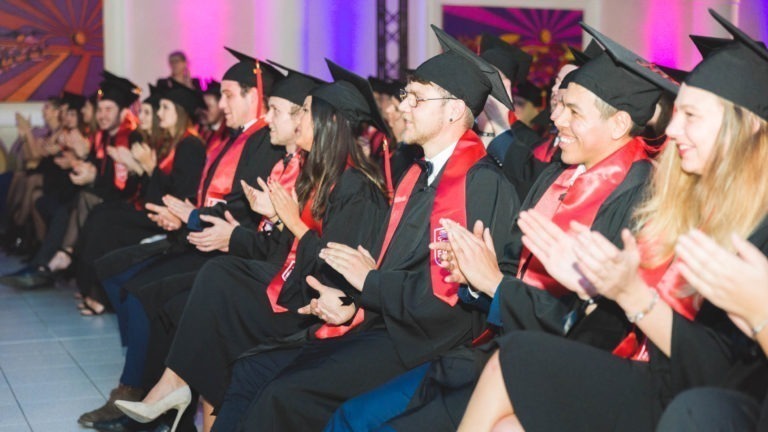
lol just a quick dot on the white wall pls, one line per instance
(138, 34)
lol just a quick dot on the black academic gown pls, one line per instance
(229, 295)
(442, 397)
(175, 261)
(513, 151)
(405, 323)
(116, 224)
(544, 374)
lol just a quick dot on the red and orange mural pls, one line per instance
(47, 46)
(543, 33)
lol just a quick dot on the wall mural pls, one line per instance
(47, 46)
(543, 33)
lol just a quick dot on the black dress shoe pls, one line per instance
(120, 424)
(30, 279)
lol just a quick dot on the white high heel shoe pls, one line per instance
(142, 412)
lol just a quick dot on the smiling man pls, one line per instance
(407, 312)
(602, 176)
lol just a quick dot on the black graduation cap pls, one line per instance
(530, 92)
(708, 44)
(464, 74)
(189, 99)
(154, 97)
(386, 86)
(118, 89)
(743, 56)
(74, 101)
(213, 88)
(678, 75)
(244, 72)
(567, 79)
(509, 59)
(581, 57)
(296, 86)
(623, 79)
(352, 95)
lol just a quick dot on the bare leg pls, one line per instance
(508, 424)
(61, 260)
(167, 384)
(489, 403)
(208, 417)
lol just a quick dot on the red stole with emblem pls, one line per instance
(579, 199)
(285, 174)
(276, 285)
(450, 202)
(222, 177)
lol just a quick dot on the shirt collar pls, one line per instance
(439, 160)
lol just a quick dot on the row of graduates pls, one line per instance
(300, 317)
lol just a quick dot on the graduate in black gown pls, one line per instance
(580, 189)
(405, 313)
(341, 198)
(246, 156)
(174, 168)
(736, 282)
(719, 132)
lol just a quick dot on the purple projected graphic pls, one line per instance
(543, 33)
(47, 46)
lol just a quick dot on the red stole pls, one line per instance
(668, 283)
(128, 125)
(166, 165)
(511, 117)
(379, 142)
(450, 203)
(215, 139)
(544, 151)
(286, 175)
(276, 285)
(221, 179)
(578, 201)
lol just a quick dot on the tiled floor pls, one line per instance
(54, 363)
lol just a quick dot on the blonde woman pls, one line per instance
(710, 177)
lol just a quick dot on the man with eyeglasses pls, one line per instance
(410, 313)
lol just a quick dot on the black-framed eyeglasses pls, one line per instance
(413, 101)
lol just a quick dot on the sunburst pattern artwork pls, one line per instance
(543, 33)
(47, 46)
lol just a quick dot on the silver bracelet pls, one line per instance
(640, 315)
(758, 328)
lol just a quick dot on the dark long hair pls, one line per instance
(333, 145)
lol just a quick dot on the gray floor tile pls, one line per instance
(65, 412)
(92, 343)
(11, 415)
(37, 361)
(45, 375)
(90, 357)
(104, 370)
(15, 428)
(28, 394)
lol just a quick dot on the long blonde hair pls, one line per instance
(730, 196)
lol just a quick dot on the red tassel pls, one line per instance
(259, 90)
(388, 171)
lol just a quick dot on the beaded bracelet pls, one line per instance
(640, 315)
(758, 328)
